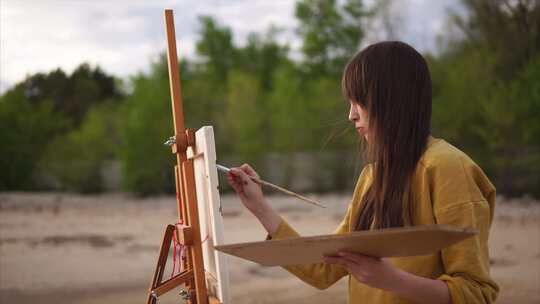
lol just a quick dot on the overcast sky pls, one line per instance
(124, 36)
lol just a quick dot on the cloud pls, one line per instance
(124, 36)
(417, 22)
(120, 36)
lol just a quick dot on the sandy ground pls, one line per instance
(63, 248)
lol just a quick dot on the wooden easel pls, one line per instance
(188, 234)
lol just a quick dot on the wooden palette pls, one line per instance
(392, 242)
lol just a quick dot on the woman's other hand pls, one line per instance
(380, 273)
(375, 272)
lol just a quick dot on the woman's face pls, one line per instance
(359, 118)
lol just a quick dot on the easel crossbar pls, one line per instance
(177, 280)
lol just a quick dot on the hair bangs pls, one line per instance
(353, 84)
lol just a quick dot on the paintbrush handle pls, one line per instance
(278, 188)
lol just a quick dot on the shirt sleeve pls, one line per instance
(463, 200)
(321, 275)
(318, 275)
(466, 263)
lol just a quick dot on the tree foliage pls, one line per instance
(331, 33)
(34, 112)
(277, 112)
(486, 92)
(76, 159)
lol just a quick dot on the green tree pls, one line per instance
(41, 107)
(244, 117)
(147, 165)
(216, 48)
(331, 33)
(76, 159)
(509, 29)
(511, 131)
(485, 94)
(25, 130)
(262, 55)
(75, 94)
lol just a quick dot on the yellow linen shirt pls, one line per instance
(449, 188)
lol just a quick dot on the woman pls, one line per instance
(410, 178)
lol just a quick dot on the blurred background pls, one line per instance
(87, 184)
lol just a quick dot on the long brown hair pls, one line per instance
(391, 81)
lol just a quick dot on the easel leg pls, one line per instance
(162, 261)
(182, 211)
(196, 250)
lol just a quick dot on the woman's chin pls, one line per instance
(362, 134)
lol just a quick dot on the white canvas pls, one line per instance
(211, 222)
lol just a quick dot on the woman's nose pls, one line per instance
(353, 115)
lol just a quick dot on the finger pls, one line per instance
(249, 170)
(357, 257)
(336, 260)
(231, 178)
(237, 186)
(352, 264)
(240, 177)
(234, 185)
(236, 179)
(330, 259)
(245, 179)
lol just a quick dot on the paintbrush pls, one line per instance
(275, 187)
